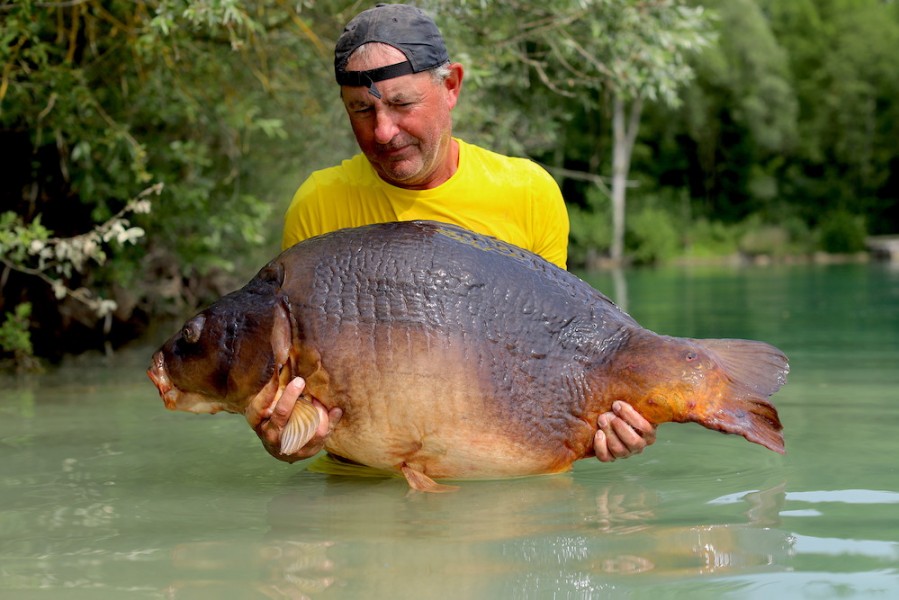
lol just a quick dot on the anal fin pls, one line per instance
(421, 482)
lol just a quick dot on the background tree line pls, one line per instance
(148, 148)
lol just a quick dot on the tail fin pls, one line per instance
(754, 370)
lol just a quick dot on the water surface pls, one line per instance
(107, 495)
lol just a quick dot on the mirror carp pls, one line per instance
(453, 355)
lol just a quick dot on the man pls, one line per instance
(399, 88)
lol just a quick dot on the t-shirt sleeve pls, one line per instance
(297, 221)
(550, 219)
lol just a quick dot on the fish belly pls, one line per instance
(441, 404)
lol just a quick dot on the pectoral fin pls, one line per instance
(301, 426)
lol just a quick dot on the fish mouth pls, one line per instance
(178, 399)
(160, 378)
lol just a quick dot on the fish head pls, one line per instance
(227, 356)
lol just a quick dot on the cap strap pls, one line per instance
(368, 78)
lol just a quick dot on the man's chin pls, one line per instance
(401, 175)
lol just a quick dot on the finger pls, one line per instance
(327, 420)
(613, 443)
(601, 448)
(269, 430)
(334, 416)
(285, 403)
(633, 418)
(260, 408)
(629, 439)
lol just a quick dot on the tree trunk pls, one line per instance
(624, 131)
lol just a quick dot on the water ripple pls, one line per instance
(819, 496)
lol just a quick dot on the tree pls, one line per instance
(601, 53)
(856, 113)
(741, 114)
(100, 100)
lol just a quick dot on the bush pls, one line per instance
(591, 228)
(802, 240)
(711, 238)
(15, 339)
(765, 240)
(102, 99)
(651, 236)
(841, 232)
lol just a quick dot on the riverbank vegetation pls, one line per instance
(149, 148)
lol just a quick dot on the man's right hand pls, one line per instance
(269, 430)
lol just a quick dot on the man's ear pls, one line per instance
(453, 83)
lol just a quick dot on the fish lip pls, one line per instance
(160, 378)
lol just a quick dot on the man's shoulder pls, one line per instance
(494, 161)
(350, 171)
(327, 189)
(509, 171)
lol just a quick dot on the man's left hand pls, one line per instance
(622, 432)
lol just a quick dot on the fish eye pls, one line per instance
(690, 356)
(191, 331)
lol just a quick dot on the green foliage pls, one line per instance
(652, 236)
(785, 235)
(740, 114)
(123, 96)
(765, 240)
(592, 55)
(633, 49)
(30, 249)
(553, 60)
(17, 239)
(707, 238)
(15, 339)
(842, 232)
(591, 232)
(99, 100)
(826, 70)
(802, 238)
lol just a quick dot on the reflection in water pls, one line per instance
(492, 539)
(620, 289)
(287, 569)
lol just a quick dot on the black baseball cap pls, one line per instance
(406, 28)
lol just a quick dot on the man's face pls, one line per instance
(406, 134)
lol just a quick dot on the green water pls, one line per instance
(107, 495)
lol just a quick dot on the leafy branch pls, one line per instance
(31, 249)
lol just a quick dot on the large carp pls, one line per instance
(453, 355)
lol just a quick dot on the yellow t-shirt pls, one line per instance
(512, 199)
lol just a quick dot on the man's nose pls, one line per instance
(385, 127)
